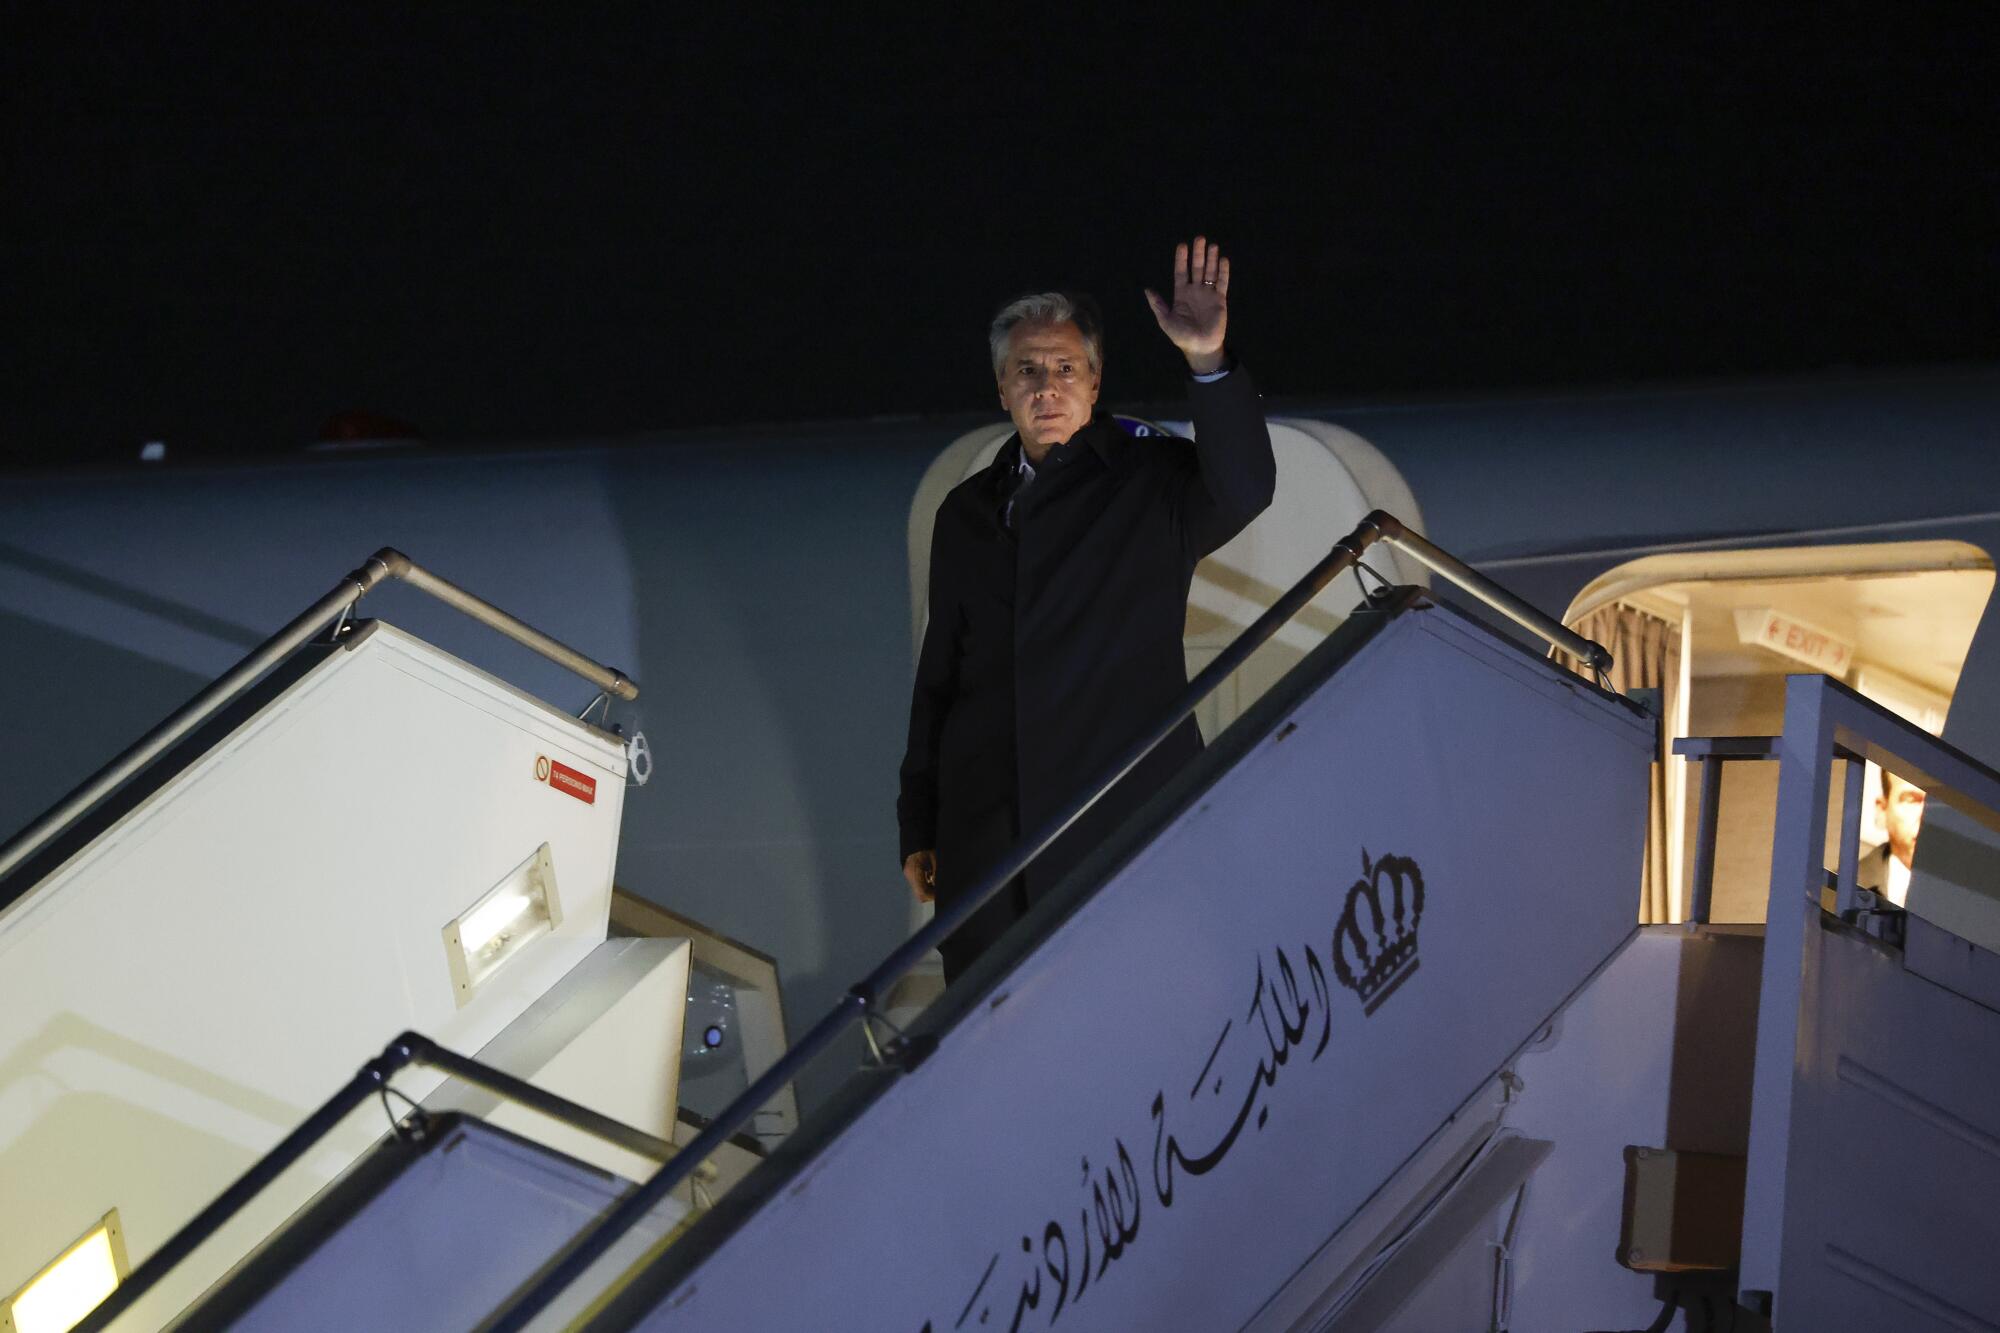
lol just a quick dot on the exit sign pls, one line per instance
(1794, 639)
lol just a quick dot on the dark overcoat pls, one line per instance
(1054, 640)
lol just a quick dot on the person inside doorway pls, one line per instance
(1886, 869)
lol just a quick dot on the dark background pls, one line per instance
(503, 222)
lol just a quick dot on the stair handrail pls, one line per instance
(372, 1079)
(387, 563)
(1829, 724)
(859, 1003)
(1545, 627)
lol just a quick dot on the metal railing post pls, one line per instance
(1791, 916)
(1715, 753)
(1704, 840)
(1846, 901)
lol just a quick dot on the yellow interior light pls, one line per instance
(507, 918)
(57, 1298)
(490, 920)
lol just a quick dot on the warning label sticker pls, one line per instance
(566, 779)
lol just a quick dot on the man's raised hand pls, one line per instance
(1198, 317)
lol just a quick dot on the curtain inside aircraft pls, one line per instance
(1646, 654)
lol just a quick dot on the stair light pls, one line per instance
(75, 1283)
(488, 922)
(518, 910)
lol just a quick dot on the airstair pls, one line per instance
(1351, 1028)
(350, 835)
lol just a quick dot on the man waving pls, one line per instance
(1058, 591)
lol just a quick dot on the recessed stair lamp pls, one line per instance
(75, 1283)
(520, 908)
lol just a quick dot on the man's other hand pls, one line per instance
(1198, 316)
(920, 868)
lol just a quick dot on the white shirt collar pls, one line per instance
(1896, 886)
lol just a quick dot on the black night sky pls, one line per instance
(504, 222)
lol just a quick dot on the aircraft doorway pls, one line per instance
(1717, 632)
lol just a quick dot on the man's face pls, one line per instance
(1046, 384)
(1902, 812)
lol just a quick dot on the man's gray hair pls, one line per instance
(1048, 308)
